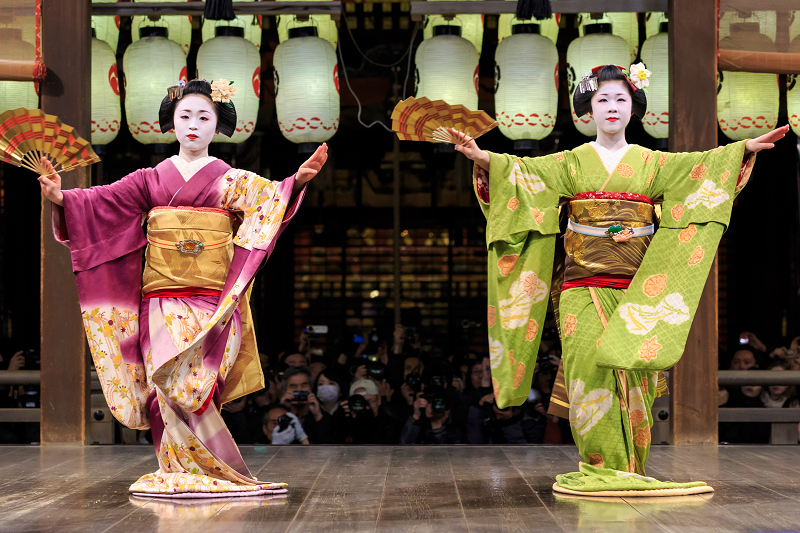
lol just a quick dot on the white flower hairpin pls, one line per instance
(639, 75)
(222, 91)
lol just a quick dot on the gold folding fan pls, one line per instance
(421, 119)
(28, 135)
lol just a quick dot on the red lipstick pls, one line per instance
(192, 136)
(612, 119)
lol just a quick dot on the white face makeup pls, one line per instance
(195, 122)
(611, 106)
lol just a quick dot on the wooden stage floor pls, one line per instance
(424, 489)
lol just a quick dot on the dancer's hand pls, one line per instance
(51, 184)
(470, 148)
(312, 166)
(766, 141)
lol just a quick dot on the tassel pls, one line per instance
(538, 9)
(219, 10)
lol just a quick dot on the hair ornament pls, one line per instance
(639, 76)
(222, 91)
(588, 83)
(176, 91)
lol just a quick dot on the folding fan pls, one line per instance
(28, 135)
(421, 119)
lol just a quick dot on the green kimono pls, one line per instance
(613, 340)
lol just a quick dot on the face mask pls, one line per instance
(327, 393)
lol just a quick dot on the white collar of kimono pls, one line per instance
(190, 168)
(610, 159)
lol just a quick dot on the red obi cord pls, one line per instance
(183, 292)
(608, 281)
(208, 401)
(600, 195)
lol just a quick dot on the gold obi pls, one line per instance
(589, 255)
(193, 247)
(187, 247)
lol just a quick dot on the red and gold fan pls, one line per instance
(420, 119)
(28, 135)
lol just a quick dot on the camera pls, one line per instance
(283, 422)
(791, 354)
(414, 381)
(32, 359)
(357, 404)
(313, 330)
(411, 334)
(300, 396)
(546, 365)
(437, 399)
(376, 370)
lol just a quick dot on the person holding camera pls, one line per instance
(300, 401)
(282, 427)
(368, 423)
(429, 422)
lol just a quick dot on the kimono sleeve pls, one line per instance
(519, 198)
(102, 223)
(649, 329)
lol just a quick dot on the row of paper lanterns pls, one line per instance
(307, 97)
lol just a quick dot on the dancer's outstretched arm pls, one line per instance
(470, 149)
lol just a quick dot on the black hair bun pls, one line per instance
(582, 101)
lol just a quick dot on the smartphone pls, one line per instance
(316, 330)
(358, 339)
(744, 338)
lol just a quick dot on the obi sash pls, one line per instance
(590, 255)
(189, 253)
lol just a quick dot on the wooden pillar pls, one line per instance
(693, 127)
(66, 51)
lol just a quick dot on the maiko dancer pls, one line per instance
(174, 342)
(625, 294)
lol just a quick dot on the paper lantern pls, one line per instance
(151, 65)
(471, 27)
(652, 24)
(747, 102)
(526, 85)
(655, 56)
(793, 91)
(306, 88)
(106, 112)
(548, 28)
(447, 68)
(179, 27)
(14, 94)
(230, 56)
(766, 20)
(625, 25)
(251, 24)
(106, 29)
(326, 27)
(597, 47)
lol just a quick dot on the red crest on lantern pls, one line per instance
(257, 81)
(336, 77)
(113, 79)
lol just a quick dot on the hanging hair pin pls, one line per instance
(588, 83)
(176, 91)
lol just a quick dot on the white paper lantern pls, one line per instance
(747, 102)
(526, 85)
(251, 24)
(235, 59)
(326, 27)
(447, 69)
(625, 25)
(306, 88)
(793, 91)
(767, 22)
(106, 112)
(106, 28)
(548, 28)
(151, 65)
(471, 27)
(14, 94)
(585, 53)
(652, 23)
(179, 26)
(655, 56)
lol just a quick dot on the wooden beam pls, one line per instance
(496, 7)
(66, 48)
(271, 7)
(768, 62)
(692, 127)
